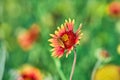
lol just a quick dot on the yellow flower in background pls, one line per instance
(28, 72)
(65, 39)
(108, 72)
(26, 39)
(118, 49)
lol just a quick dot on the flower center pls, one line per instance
(68, 39)
(65, 37)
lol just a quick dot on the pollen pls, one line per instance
(65, 37)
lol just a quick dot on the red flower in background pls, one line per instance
(27, 38)
(114, 9)
(29, 73)
(65, 39)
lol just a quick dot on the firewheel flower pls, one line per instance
(26, 39)
(114, 9)
(28, 72)
(65, 39)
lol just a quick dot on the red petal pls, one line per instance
(69, 51)
(69, 25)
(78, 30)
(58, 52)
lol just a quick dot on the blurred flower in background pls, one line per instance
(27, 38)
(118, 49)
(114, 9)
(28, 72)
(103, 55)
(108, 72)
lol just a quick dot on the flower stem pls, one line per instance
(58, 66)
(3, 53)
(73, 65)
(95, 69)
(61, 74)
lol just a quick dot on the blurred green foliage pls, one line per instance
(100, 31)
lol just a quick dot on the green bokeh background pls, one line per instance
(101, 31)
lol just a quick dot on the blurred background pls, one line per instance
(25, 26)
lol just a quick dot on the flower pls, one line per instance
(118, 49)
(26, 39)
(103, 55)
(114, 9)
(28, 72)
(65, 39)
(108, 72)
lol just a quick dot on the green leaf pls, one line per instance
(2, 59)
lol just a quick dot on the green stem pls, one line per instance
(95, 69)
(61, 74)
(58, 66)
(2, 59)
(73, 66)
